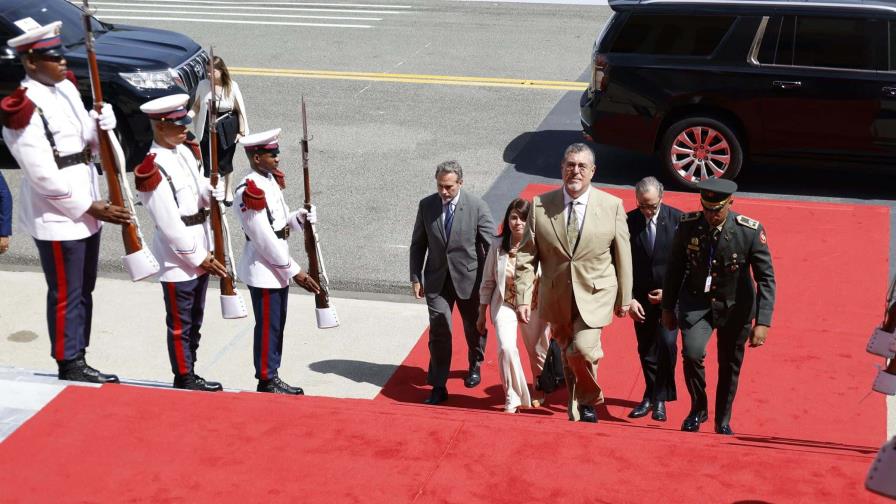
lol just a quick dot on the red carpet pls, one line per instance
(132, 444)
(807, 425)
(811, 381)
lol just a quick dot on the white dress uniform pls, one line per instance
(52, 200)
(266, 265)
(177, 197)
(52, 137)
(183, 192)
(265, 261)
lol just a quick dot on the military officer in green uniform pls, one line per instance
(715, 258)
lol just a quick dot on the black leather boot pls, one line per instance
(192, 381)
(77, 370)
(277, 386)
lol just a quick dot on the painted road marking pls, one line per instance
(241, 14)
(412, 78)
(308, 4)
(233, 21)
(249, 7)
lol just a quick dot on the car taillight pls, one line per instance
(599, 72)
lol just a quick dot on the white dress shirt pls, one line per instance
(232, 102)
(580, 204)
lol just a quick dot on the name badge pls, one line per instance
(708, 283)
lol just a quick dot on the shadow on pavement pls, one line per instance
(357, 371)
(538, 153)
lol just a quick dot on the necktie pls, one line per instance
(448, 219)
(572, 226)
(651, 235)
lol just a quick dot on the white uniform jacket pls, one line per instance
(266, 262)
(179, 248)
(52, 201)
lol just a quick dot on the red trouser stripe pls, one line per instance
(265, 331)
(177, 331)
(61, 300)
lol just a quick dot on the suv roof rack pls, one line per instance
(888, 5)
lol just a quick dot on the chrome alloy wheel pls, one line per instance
(700, 152)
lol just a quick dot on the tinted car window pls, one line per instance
(672, 35)
(840, 43)
(892, 45)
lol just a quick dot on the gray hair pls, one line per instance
(578, 148)
(450, 167)
(647, 183)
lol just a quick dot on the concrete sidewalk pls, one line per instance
(128, 337)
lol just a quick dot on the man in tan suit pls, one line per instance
(579, 236)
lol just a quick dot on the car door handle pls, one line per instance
(787, 84)
(889, 91)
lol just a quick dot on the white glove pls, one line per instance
(303, 215)
(217, 192)
(106, 117)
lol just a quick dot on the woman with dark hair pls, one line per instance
(231, 125)
(497, 291)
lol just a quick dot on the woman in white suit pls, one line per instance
(497, 291)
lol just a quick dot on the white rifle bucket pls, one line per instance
(885, 383)
(882, 343)
(233, 307)
(326, 318)
(140, 264)
(880, 476)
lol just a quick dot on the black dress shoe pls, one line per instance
(587, 414)
(438, 395)
(724, 430)
(195, 382)
(659, 411)
(277, 386)
(77, 370)
(693, 420)
(641, 410)
(473, 377)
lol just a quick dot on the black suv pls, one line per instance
(708, 83)
(136, 64)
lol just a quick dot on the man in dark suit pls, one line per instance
(448, 248)
(651, 227)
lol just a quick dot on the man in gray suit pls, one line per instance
(448, 248)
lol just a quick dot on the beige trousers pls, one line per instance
(582, 351)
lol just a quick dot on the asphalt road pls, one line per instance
(376, 142)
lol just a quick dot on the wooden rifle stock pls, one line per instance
(321, 300)
(107, 157)
(215, 213)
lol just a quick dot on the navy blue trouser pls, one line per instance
(269, 307)
(70, 270)
(184, 307)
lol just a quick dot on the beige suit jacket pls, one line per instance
(598, 271)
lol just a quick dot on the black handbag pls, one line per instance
(551, 376)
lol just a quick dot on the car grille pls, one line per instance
(190, 73)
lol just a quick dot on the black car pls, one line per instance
(710, 83)
(136, 64)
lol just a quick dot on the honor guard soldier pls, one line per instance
(265, 264)
(715, 257)
(177, 196)
(52, 137)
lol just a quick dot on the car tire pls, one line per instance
(697, 148)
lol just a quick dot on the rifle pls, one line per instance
(232, 305)
(139, 261)
(326, 314)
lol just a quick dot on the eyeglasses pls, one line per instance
(645, 206)
(573, 167)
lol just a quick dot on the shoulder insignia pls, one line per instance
(743, 220)
(253, 196)
(195, 149)
(71, 77)
(280, 177)
(690, 216)
(17, 109)
(147, 175)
